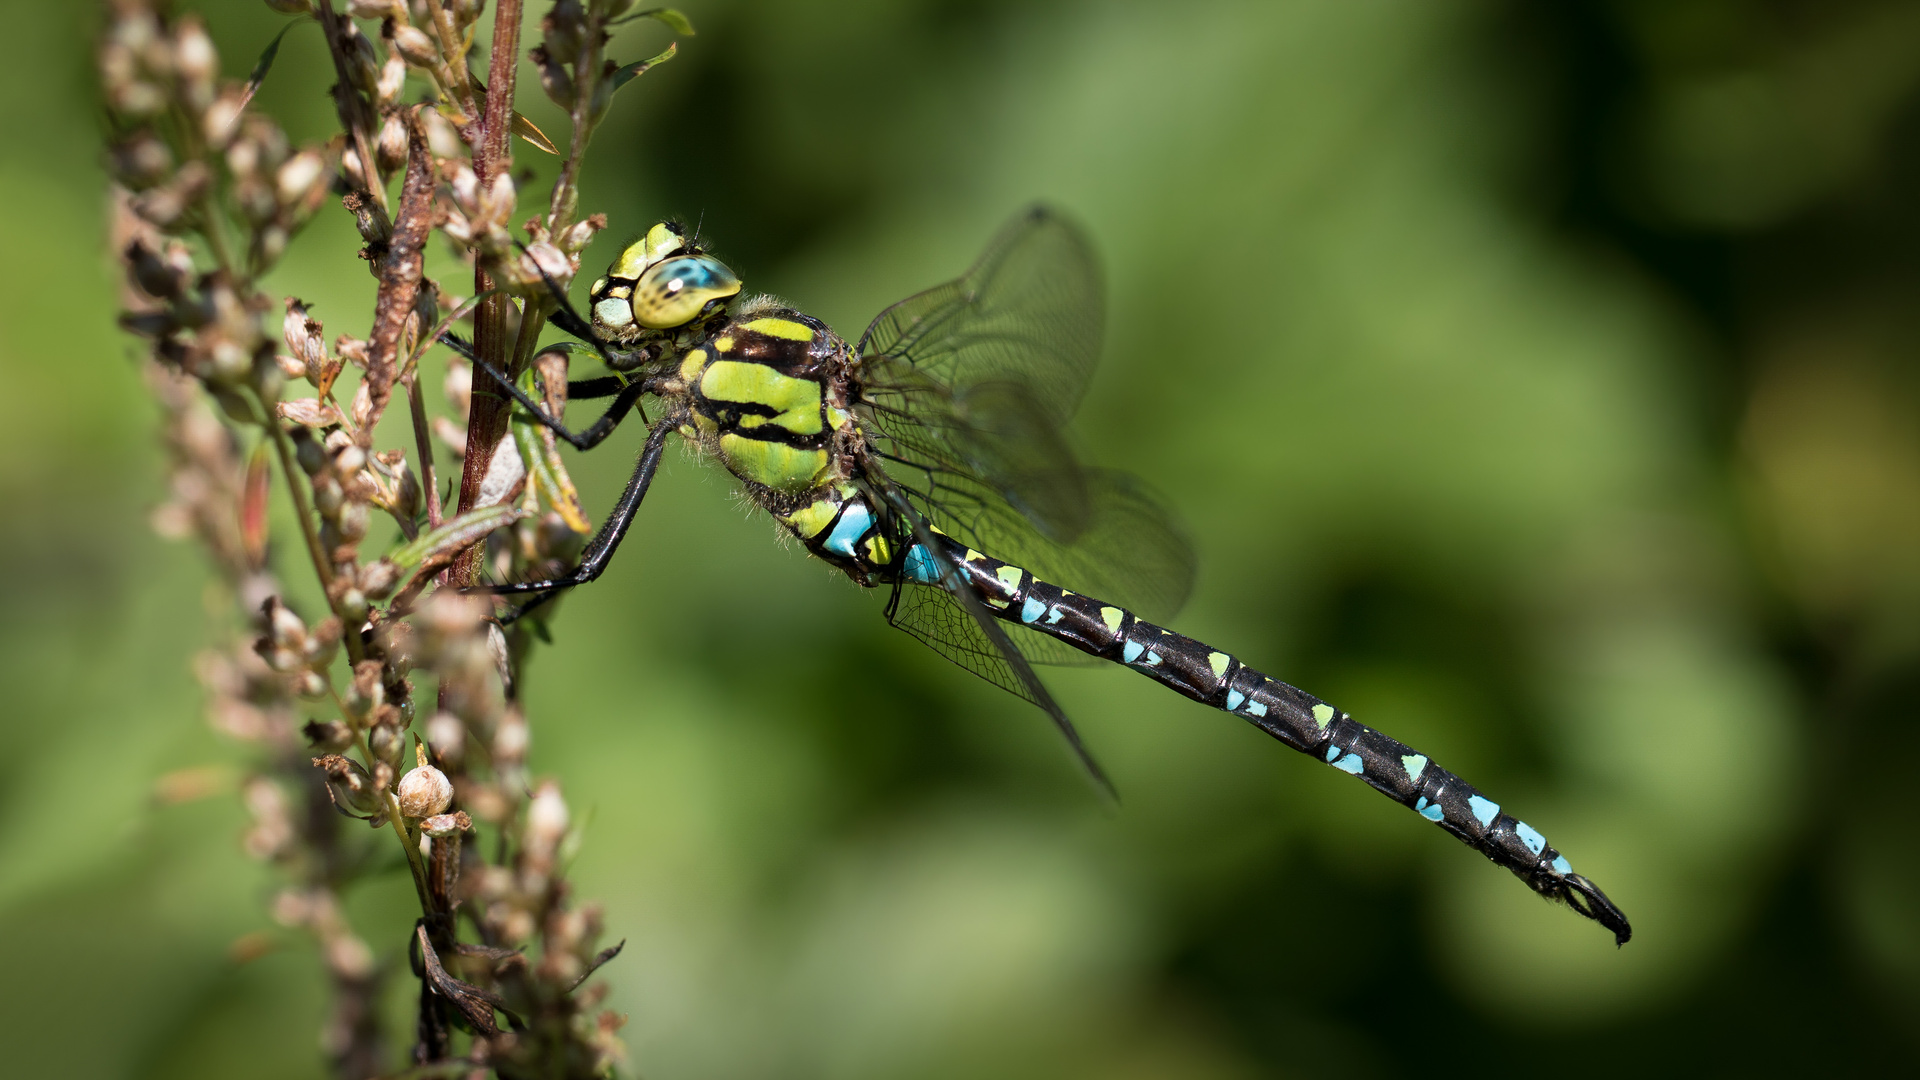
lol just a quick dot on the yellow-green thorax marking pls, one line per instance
(768, 395)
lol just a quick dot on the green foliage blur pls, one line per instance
(1536, 380)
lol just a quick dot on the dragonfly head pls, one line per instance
(661, 281)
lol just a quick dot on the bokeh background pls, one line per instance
(1537, 381)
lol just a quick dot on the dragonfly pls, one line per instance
(930, 459)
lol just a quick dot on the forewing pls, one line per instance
(1030, 312)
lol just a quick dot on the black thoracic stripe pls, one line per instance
(1290, 715)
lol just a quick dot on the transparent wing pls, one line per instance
(955, 623)
(967, 391)
(1029, 312)
(980, 375)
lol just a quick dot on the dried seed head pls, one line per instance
(352, 790)
(331, 736)
(391, 152)
(376, 9)
(425, 791)
(140, 161)
(387, 742)
(444, 825)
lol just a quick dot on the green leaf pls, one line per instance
(524, 128)
(265, 63)
(455, 534)
(639, 67)
(672, 17)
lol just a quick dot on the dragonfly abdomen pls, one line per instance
(1291, 715)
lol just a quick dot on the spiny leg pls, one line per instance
(587, 438)
(599, 551)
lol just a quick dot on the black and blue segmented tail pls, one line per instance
(1293, 716)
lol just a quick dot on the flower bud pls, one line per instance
(308, 453)
(141, 160)
(350, 168)
(425, 791)
(295, 180)
(154, 275)
(393, 79)
(378, 578)
(448, 736)
(546, 819)
(283, 626)
(564, 31)
(221, 121)
(195, 62)
(415, 46)
(387, 742)
(362, 65)
(553, 77)
(351, 789)
(391, 152)
(510, 739)
(466, 11)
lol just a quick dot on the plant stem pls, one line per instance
(492, 155)
(303, 509)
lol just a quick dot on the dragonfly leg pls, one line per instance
(599, 551)
(585, 439)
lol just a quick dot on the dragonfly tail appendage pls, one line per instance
(1292, 716)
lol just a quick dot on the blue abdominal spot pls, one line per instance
(919, 566)
(854, 523)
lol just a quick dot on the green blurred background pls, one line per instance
(1536, 380)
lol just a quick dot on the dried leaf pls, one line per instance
(253, 506)
(599, 959)
(475, 1004)
(310, 412)
(265, 63)
(525, 128)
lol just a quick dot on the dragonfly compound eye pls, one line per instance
(673, 293)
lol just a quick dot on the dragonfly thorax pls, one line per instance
(767, 394)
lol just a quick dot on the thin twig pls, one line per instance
(400, 274)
